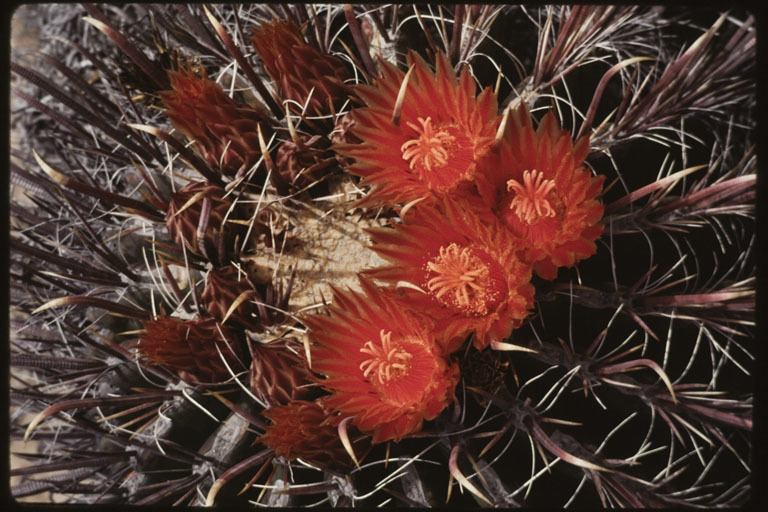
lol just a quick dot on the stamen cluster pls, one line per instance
(530, 201)
(387, 362)
(460, 272)
(429, 148)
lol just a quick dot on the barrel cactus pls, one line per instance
(383, 255)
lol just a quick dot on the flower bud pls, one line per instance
(299, 431)
(196, 218)
(278, 375)
(189, 347)
(225, 131)
(224, 286)
(300, 163)
(298, 68)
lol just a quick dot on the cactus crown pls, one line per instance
(286, 255)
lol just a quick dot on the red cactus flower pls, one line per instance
(297, 67)
(381, 363)
(442, 131)
(466, 271)
(225, 131)
(299, 430)
(189, 348)
(537, 185)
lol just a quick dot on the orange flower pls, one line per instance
(381, 363)
(443, 129)
(226, 132)
(297, 68)
(299, 430)
(536, 183)
(466, 271)
(189, 347)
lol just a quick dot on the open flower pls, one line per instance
(463, 271)
(381, 363)
(536, 183)
(443, 128)
(299, 430)
(225, 131)
(189, 347)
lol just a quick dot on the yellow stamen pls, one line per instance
(463, 274)
(530, 201)
(387, 362)
(428, 149)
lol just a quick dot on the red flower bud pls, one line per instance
(299, 430)
(298, 68)
(225, 131)
(224, 286)
(196, 218)
(300, 163)
(278, 374)
(189, 347)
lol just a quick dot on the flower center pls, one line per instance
(386, 361)
(530, 202)
(462, 280)
(428, 149)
